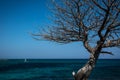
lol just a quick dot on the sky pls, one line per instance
(20, 17)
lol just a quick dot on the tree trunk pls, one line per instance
(85, 71)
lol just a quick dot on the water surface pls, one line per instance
(56, 69)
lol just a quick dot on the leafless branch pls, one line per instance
(106, 52)
(85, 21)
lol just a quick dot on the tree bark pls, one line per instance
(85, 71)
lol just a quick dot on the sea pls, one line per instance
(56, 69)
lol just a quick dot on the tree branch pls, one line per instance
(98, 5)
(112, 43)
(85, 21)
(106, 52)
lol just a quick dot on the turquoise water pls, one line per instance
(56, 69)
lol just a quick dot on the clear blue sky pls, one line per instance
(18, 18)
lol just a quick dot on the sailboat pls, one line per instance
(25, 60)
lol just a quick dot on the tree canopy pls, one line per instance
(88, 21)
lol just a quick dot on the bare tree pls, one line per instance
(96, 23)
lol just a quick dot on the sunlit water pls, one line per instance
(56, 69)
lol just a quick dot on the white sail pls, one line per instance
(25, 60)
